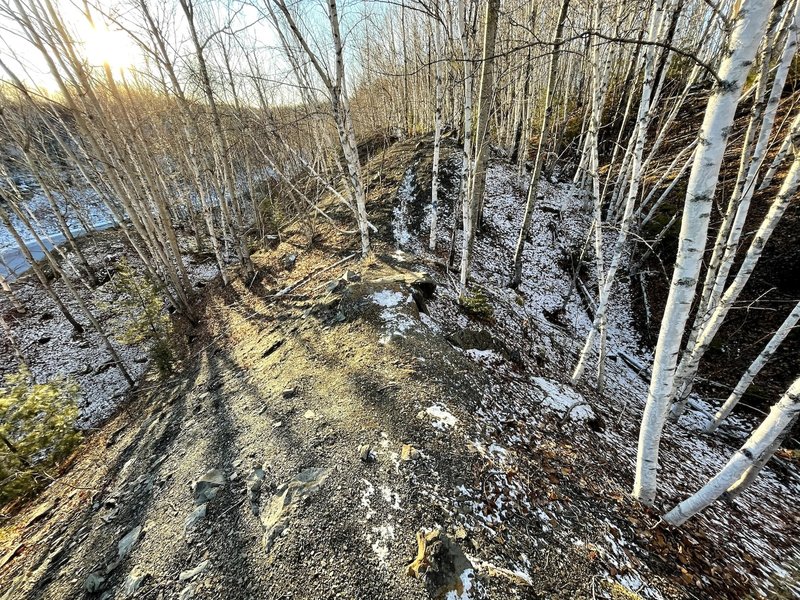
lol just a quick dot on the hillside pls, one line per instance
(313, 430)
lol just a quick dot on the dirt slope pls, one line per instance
(526, 475)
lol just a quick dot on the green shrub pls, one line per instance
(36, 430)
(477, 305)
(145, 319)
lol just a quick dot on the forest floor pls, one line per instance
(307, 438)
(49, 344)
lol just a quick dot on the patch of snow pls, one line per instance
(387, 298)
(384, 537)
(397, 323)
(443, 419)
(365, 496)
(390, 497)
(466, 586)
(489, 356)
(564, 400)
(400, 213)
(430, 323)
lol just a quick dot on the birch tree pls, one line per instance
(533, 186)
(474, 197)
(755, 368)
(437, 131)
(335, 84)
(727, 241)
(748, 24)
(640, 133)
(760, 445)
(691, 361)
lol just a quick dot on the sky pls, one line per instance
(105, 42)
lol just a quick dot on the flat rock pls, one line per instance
(127, 543)
(275, 517)
(133, 582)
(366, 453)
(408, 452)
(207, 486)
(192, 573)
(94, 582)
(197, 515)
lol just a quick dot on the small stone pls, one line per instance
(197, 515)
(351, 276)
(333, 286)
(289, 392)
(288, 261)
(442, 564)
(408, 452)
(84, 370)
(366, 453)
(309, 414)
(277, 424)
(192, 573)
(94, 582)
(127, 543)
(186, 593)
(133, 582)
(254, 482)
(207, 486)
(276, 514)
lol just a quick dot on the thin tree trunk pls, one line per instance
(642, 122)
(751, 473)
(437, 134)
(755, 368)
(533, 186)
(474, 200)
(760, 443)
(748, 25)
(691, 360)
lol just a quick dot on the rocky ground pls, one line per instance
(315, 440)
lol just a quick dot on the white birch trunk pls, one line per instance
(642, 122)
(730, 233)
(437, 134)
(751, 473)
(748, 26)
(466, 158)
(691, 361)
(533, 187)
(473, 201)
(755, 368)
(665, 194)
(783, 152)
(758, 444)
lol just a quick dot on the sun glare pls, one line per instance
(115, 48)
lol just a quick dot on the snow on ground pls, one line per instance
(51, 349)
(40, 213)
(400, 214)
(442, 418)
(396, 322)
(546, 320)
(564, 400)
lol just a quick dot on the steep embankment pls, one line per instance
(773, 288)
(325, 427)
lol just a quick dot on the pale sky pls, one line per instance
(106, 42)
